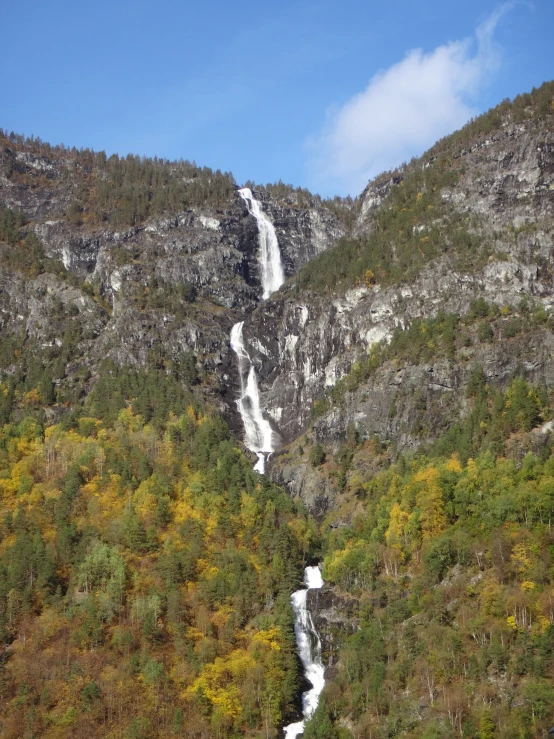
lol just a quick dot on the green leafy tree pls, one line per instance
(321, 726)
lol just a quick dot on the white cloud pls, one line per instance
(404, 110)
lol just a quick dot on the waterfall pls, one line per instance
(258, 435)
(260, 438)
(269, 255)
(309, 649)
(257, 430)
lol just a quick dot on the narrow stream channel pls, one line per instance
(259, 438)
(309, 649)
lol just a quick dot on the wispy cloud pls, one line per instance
(403, 110)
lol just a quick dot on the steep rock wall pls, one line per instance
(118, 272)
(303, 344)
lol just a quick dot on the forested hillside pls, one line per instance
(450, 565)
(145, 575)
(123, 191)
(444, 576)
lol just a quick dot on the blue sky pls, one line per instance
(319, 94)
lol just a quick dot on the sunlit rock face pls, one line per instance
(213, 251)
(302, 344)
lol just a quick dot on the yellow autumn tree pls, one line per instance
(432, 519)
(396, 533)
(219, 681)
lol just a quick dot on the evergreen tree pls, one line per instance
(321, 726)
(486, 724)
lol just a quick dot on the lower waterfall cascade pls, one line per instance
(258, 434)
(309, 649)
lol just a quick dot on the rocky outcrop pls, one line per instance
(134, 277)
(374, 195)
(334, 616)
(412, 404)
(301, 348)
(300, 478)
(303, 344)
(506, 176)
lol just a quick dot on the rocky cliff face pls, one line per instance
(314, 343)
(334, 616)
(124, 287)
(213, 249)
(303, 344)
(303, 233)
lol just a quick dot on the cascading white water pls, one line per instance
(309, 649)
(259, 437)
(269, 256)
(257, 430)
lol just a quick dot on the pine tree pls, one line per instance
(321, 726)
(486, 725)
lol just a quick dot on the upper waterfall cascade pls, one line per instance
(273, 274)
(259, 436)
(309, 649)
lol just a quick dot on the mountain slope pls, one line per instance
(474, 221)
(429, 459)
(141, 262)
(145, 569)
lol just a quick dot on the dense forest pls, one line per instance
(145, 575)
(451, 566)
(146, 570)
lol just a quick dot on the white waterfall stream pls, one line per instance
(260, 438)
(309, 649)
(269, 257)
(258, 435)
